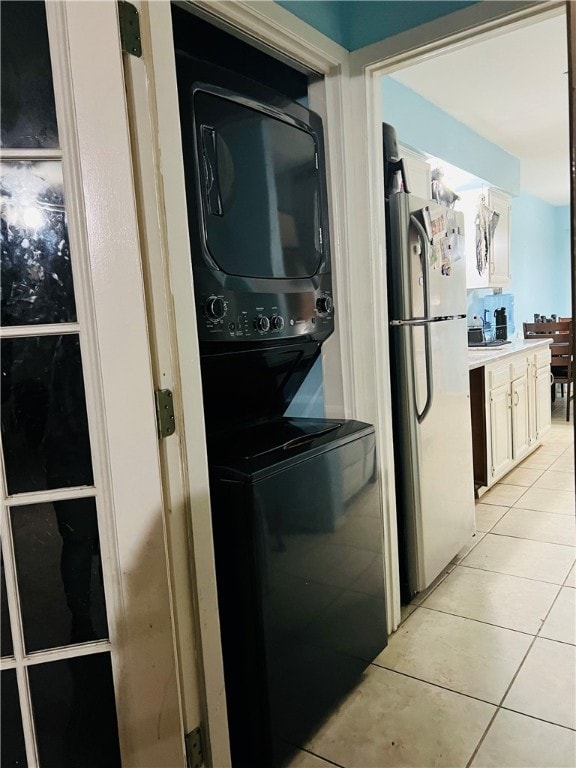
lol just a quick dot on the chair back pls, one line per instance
(547, 329)
(562, 351)
(562, 346)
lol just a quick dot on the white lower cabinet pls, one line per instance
(500, 430)
(512, 412)
(521, 441)
(541, 411)
(509, 414)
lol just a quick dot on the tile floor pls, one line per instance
(482, 670)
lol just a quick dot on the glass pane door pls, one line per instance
(58, 702)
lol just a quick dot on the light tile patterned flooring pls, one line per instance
(482, 671)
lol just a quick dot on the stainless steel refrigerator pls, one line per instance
(430, 383)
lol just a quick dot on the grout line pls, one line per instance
(540, 581)
(434, 685)
(540, 719)
(544, 511)
(538, 541)
(517, 712)
(515, 676)
(498, 504)
(498, 706)
(315, 754)
(481, 741)
(491, 624)
(521, 538)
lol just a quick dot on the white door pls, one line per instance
(520, 418)
(500, 247)
(500, 430)
(88, 665)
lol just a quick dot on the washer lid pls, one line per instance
(254, 451)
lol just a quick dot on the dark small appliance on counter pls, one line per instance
(543, 319)
(476, 338)
(500, 324)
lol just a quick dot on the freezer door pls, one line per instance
(436, 242)
(425, 252)
(438, 493)
(403, 267)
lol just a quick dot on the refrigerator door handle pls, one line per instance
(423, 237)
(421, 415)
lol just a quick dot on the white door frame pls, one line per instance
(159, 178)
(365, 191)
(101, 211)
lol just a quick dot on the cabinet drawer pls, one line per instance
(543, 357)
(498, 376)
(518, 367)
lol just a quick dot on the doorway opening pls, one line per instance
(502, 126)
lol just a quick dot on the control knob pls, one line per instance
(215, 308)
(262, 323)
(277, 322)
(324, 305)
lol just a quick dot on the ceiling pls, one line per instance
(354, 24)
(512, 90)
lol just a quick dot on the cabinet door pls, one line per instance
(418, 173)
(500, 249)
(497, 271)
(543, 401)
(532, 400)
(500, 430)
(468, 205)
(520, 418)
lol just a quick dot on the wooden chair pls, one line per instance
(562, 349)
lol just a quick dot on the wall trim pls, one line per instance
(450, 32)
(268, 26)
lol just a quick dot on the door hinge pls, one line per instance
(164, 412)
(193, 743)
(129, 21)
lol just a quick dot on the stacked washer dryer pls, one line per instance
(295, 507)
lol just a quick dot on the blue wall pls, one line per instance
(539, 233)
(562, 261)
(423, 126)
(356, 23)
(540, 264)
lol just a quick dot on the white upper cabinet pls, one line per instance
(499, 259)
(488, 267)
(419, 180)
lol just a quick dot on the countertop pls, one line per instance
(480, 356)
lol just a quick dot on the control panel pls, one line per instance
(251, 317)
